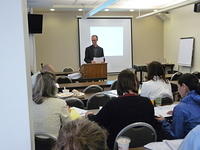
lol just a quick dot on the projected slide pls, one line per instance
(111, 39)
(114, 36)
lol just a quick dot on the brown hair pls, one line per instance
(95, 36)
(155, 69)
(81, 134)
(127, 80)
(191, 81)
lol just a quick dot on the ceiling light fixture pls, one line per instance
(80, 9)
(52, 9)
(106, 9)
(99, 8)
(131, 10)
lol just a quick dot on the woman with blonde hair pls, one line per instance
(81, 134)
(49, 112)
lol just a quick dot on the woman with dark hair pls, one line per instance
(81, 134)
(49, 112)
(128, 108)
(156, 86)
(186, 115)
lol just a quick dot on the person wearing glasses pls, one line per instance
(93, 51)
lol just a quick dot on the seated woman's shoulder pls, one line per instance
(144, 99)
(56, 100)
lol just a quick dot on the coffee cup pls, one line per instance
(123, 143)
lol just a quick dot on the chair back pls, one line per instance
(68, 70)
(197, 74)
(175, 76)
(97, 100)
(61, 80)
(140, 133)
(93, 89)
(74, 102)
(44, 141)
(166, 101)
(114, 85)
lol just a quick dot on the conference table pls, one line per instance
(64, 73)
(82, 85)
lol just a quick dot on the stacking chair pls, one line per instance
(175, 76)
(74, 102)
(166, 101)
(44, 141)
(114, 85)
(93, 89)
(97, 100)
(140, 133)
(68, 70)
(197, 74)
(61, 80)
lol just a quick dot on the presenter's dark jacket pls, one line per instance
(122, 111)
(92, 52)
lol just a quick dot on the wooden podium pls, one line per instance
(94, 71)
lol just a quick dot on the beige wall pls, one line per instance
(183, 22)
(58, 45)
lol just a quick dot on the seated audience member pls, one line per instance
(49, 112)
(186, 115)
(128, 108)
(48, 68)
(191, 141)
(156, 86)
(81, 134)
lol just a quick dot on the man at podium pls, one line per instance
(93, 52)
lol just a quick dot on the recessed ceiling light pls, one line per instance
(80, 9)
(52, 9)
(155, 10)
(106, 9)
(131, 10)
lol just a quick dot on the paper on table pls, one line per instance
(98, 59)
(74, 75)
(112, 93)
(157, 146)
(80, 111)
(162, 110)
(173, 144)
(165, 145)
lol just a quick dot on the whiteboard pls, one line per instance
(185, 51)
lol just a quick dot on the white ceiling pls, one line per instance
(120, 5)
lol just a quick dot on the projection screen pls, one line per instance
(114, 36)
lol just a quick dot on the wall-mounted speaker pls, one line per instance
(197, 7)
